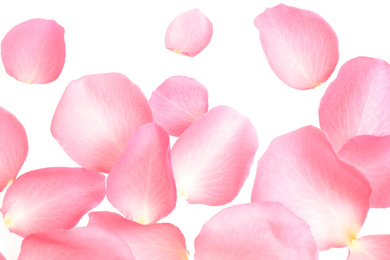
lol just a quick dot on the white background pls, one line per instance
(128, 37)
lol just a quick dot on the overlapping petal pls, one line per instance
(212, 158)
(189, 33)
(51, 198)
(177, 103)
(300, 46)
(34, 51)
(96, 116)
(159, 241)
(357, 101)
(13, 147)
(301, 170)
(370, 248)
(140, 184)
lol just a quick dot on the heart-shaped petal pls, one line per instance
(370, 248)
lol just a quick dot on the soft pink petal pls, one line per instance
(301, 170)
(34, 51)
(2, 257)
(178, 103)
(51, 198)
(189, 33)
(140, 184)
(96, 116)
(90, 243)
(160, 241)
(300, 46)
(370, 248)
(13, 147)
(357, 101)
(212, 158)
(371, 155)
(254, 231)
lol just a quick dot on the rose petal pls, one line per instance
(140, 184)
(51, 198)
(301, 170)
(266, 230)
(96, 116)
(189, 33)
(2, 257)
(356, 102)
(34, 51)
(370, 248)
(178, 103)
(300, 46)
(212, 158)
(13, 147)
(154, 241)
(76, 244)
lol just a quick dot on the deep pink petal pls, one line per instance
(189, 33)
(160, 241)
(140, 184)
(253, 231)
(357, 101)
(178, 103)
(300, 46)
(301, 170)
(34, 51)
(96, 116)
(371, 155)
(13, 147)
(51, 198)
(212, 158)
(89, 243)
(370, 248)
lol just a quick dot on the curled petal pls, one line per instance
(96, 116)
(34, 51)
(13, 147)
(140, 184)
(302, 171)
(212, 158)
(300, 46)
(178, 103)
(51, 198)
(370, 248)
(357, 101)
(189, 33)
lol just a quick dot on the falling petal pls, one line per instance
(370, 248)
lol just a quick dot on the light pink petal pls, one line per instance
(212, 158)
(189, 33)
(90, 243)
(161, 241)
(371, 155)
(34, 51)
(301, 170)
(178, 103)
(96, 116)
(370, 248)
(51, 198)
(300, 46)
(255, 231)
(140, 184)
(357, 101)
(2, 257)
(13, 147)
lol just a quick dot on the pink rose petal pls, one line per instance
(212, 158)
(301, 170)
(370, 248)
(51, 198)
(13, 147)
(178, 103)
(160, 241)
(140, 184)
(357, 101)
(96, 116)
(34, 51)
(189, 33)
(300, 46)
(90, 243)
(2, 257)
(266, 230)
